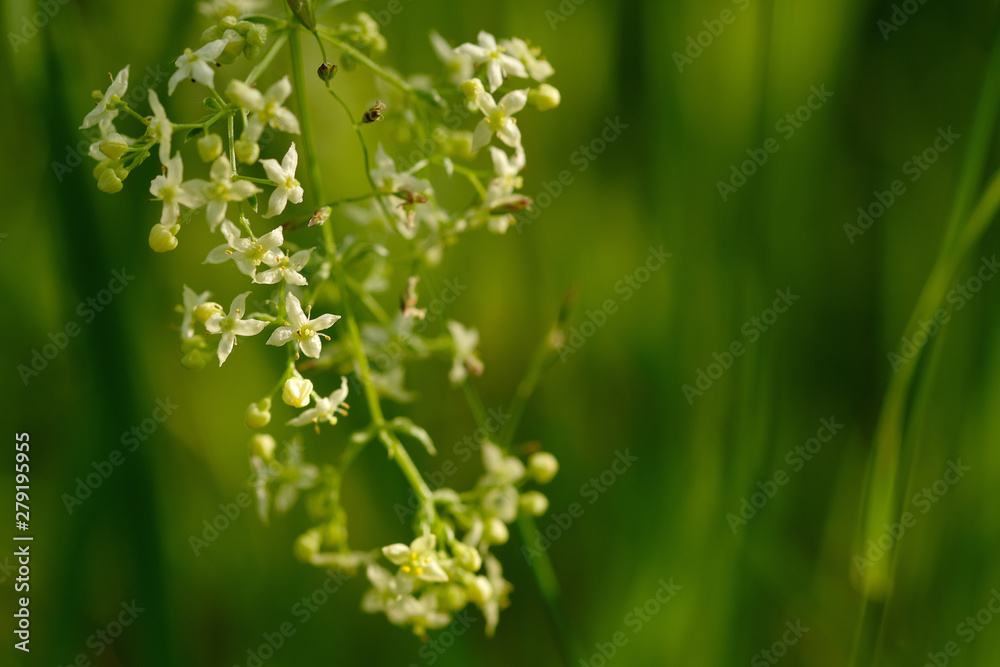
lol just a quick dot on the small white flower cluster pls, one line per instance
(478, 74)
(450, 563)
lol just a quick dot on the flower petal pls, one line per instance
(311, 347)
(324, 321)
(293, 308)
(397, 553)
(281, 336)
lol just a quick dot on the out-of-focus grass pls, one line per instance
(655, 184)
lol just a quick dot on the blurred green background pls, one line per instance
(656, 183)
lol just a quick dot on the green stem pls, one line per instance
(330, 36)
(395, 448)
(252, 179)
(541, 564)
(265, 62)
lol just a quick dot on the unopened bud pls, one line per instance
(535, 503)
(247, 151)
(193, 360)
(480, 590)
(258, 415)
(235, 43)
(542, 467)
(262, 445)
(256, 34)
(114, 146)
(496, 531)
(297, 391)
(327, 71)
(206, 310)
(467, 557)
(109, 182)
(544, 97)
(209, 147)
(193, 343)
(161, 239)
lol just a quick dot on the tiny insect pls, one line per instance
(375, 113)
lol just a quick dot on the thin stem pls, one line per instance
(541, 564)
(253, 179)
(395, 448)
(265, 62)
(330, 36)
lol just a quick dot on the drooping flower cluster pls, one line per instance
(212, 173)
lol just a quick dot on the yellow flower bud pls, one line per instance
(542, 467)
(308, 544)
(496, 531)
(535, 503)
(454, 597)
(258, 415)
(206, 310)
(210, 147)
(262, 445)
(193, 343)
(297, 391)
(545, 97)
(109, 182)
(256, 34)
(467, 557)
(193, 360)
(480, 590)
(114, 146)
(160, 237)
(247, 151)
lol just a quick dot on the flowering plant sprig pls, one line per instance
(313, 286)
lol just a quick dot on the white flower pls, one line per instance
(170, 189)
(466, 361)
(284, 268)
(160, 127)
(101, 115)
(419, 560)
(538, 69)
(247, 253)
(507, 170)
(498, 63)
(326, 409)
(498, 118)
(500, 468)
(199, 66)
(498, 589)
(221, 190)
(233, 325)
(191, 301)
(387, 589)
(387, 179)
(458, 65)
(421, 613)
(301, 329)
(283, 175)
(265, 108)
